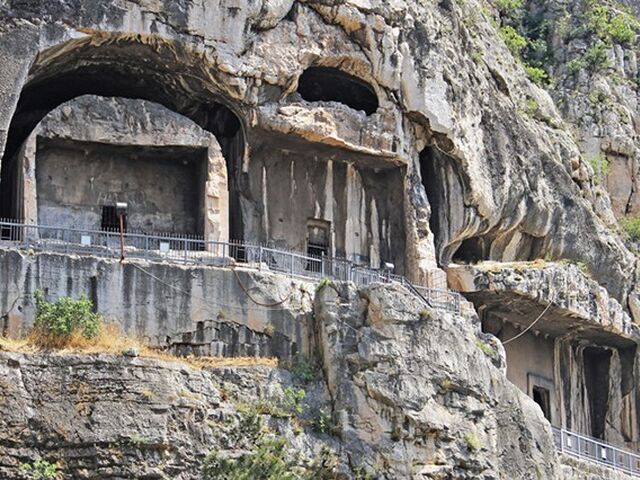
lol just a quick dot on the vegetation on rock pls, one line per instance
(56, 322)
(40, 470)
(601, 168)
(631, 227)
(611, 24)
(271, 459)
(526, 38)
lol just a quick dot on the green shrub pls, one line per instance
(631, 227)
(537, 75)
(576, 65)
(601, 168)
(65, 317)
(507, 6)
(472, 441)
(486, 349)
(302, 369)
(268, 462)
(611, 25)
(531, 107)
(292, 400)
(272, 460)
(514, 41)
(596, 57)
(623, 28)
(40, 470)
(323, 422)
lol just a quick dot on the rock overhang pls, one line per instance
(559, 297)
(356, 136)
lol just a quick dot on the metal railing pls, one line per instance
(197, 251)
(593, 450)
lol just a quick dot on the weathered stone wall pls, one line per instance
(527, 287)
(163, 188)
(574, 469)
(191, 309)
(417, 397)
(104, 416)
(291, 184)
(397, 404)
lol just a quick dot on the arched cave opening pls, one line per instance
(325, 84)
(471, 250)
(445, 186)
(130, 70)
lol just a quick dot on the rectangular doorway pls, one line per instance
(542, 397)
(110, 221)
(318, 243)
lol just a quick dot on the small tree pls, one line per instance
(59, 321)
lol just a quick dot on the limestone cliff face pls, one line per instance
(407, 393)
(478, 164)
(508, 181)
(596, 91)
(416, 396)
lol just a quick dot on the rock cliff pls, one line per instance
(501, 131)
(402, 391)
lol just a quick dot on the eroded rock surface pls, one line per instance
(577, 301)
(416, 398)
(400, 403)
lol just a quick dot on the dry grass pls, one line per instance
(112, 340)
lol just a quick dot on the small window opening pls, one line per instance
(110, 220)
(542, 397)
(323, 84)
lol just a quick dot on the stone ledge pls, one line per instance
(335, 125)
(524, 289)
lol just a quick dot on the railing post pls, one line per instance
(291, 270)
(260, 257)
(146, 247)
(185, 251)
(322, 265)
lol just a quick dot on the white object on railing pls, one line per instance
(85, 240)
(165, 247)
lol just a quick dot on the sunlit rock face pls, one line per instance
(397, 134)
(438, 105)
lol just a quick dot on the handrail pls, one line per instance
(197, 251)
(596, 451)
